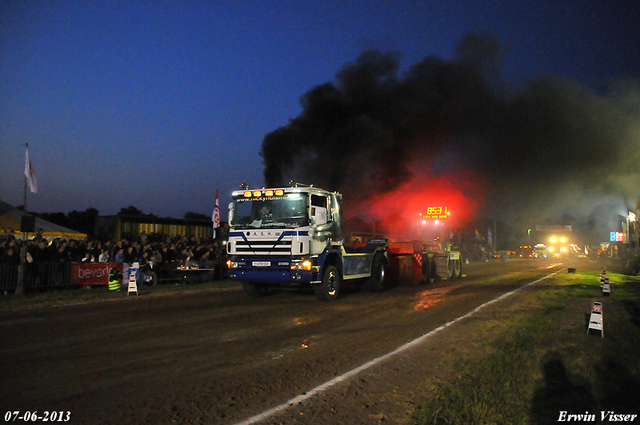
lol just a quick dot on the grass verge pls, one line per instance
(537, 359)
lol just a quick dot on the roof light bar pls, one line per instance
(268, 193)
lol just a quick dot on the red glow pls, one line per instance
(400, 211)
(431, 297)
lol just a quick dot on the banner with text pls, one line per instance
(92, 273)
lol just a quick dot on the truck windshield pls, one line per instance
(287, 211)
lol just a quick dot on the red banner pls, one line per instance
(92, 273)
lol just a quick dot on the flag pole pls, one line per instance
(24, 205)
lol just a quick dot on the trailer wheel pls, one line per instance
(255, 291)
(457, 269)
(428, 270)
(378, 274)
(328, 289)
(450, 269)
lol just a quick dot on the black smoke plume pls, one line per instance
(552, 151)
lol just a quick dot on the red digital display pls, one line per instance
(436, 212)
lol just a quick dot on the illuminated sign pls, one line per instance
(436, 212)
(616, 237)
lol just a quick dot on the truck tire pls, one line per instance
(428, 270)
(457, 269)
(328, 289)
(378, 274)
(450, 269)
(255, 291)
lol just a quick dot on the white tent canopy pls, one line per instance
(11, 218)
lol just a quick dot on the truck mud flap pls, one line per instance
(408, 268)
(401, 268)
(442, 265)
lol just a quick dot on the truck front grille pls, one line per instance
(264, 247)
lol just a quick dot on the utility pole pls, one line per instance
(495, 235)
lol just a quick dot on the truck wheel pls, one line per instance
(457, 269)
(378, 274)
(450, 269)
(255, 291)
(428, 270)
(328, 289)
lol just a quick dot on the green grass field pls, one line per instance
(538, 360)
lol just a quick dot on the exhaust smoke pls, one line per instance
(448, 131)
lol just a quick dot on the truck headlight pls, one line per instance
(235, 264)
(302, 265)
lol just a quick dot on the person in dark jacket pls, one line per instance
(146, 269)
(10, 257)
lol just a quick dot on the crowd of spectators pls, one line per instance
(161, 250)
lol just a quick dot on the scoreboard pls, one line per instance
(437, 212)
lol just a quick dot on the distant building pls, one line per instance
(113, 227)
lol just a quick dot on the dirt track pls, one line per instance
(221, 357)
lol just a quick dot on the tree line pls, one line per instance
(85, 221)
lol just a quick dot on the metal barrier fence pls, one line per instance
(37, 276)
(58, 275)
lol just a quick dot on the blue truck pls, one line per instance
(292, 237)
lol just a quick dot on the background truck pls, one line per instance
(293, 237)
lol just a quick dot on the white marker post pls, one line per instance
(606, 288)
(133, 287)
(595, 321)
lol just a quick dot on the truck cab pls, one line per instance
(292, 237)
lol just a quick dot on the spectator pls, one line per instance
(168, 253)
(183, 255)
(61, 255)
(88, 258)
(39, 252)
(156, 257)
(104, 256)
(120, 256)
(10, 257)
(130, 255)
(146, 269)
(74, 253)
(161, 249)
(52, 249)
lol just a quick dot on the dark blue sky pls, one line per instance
(155, 103)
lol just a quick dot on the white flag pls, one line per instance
(216, 215)
(28, 172)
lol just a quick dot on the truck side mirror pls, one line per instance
(230, 212)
